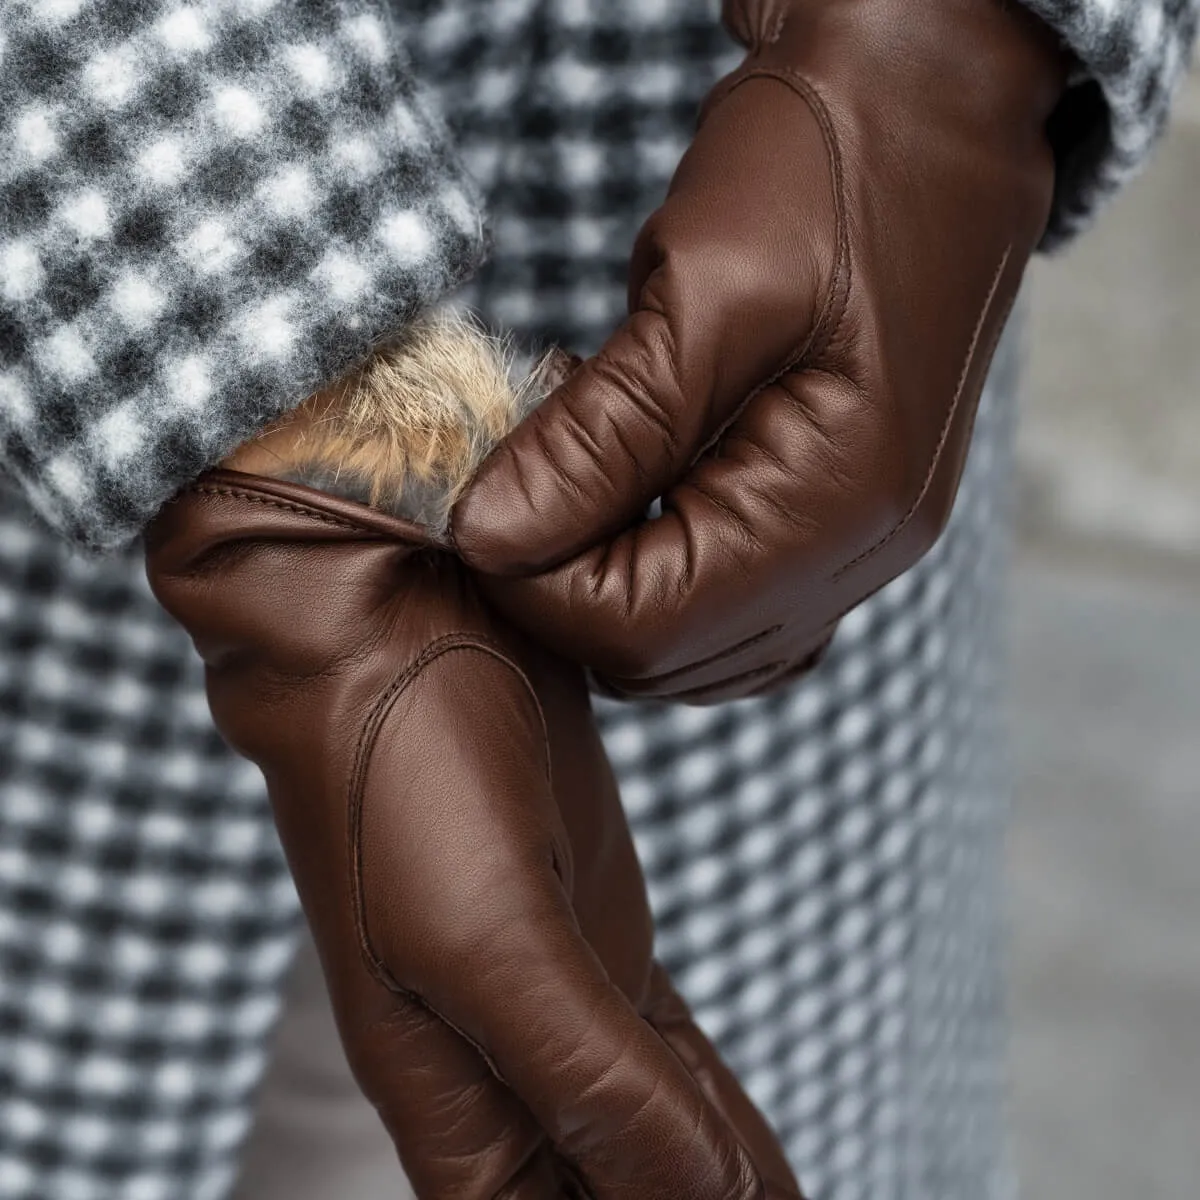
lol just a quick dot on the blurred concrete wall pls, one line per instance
(1111, 440)
(1105, 851)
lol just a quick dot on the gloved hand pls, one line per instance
(813, 311)
(461, 853)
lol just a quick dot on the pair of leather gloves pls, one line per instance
(813, 311)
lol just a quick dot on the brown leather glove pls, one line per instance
(461, 854)
(813, 312)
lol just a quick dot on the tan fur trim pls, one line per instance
(406, 431)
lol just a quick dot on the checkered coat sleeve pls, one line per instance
(1131, 55)
(209, 209)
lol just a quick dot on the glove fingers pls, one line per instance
(717, 311)
(616, 1102)
(667, 1012)
(459, 1132)
(774, 510)
(589, 461)
(500, 956)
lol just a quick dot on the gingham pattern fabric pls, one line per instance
(206, 211)
(146, 915)
(823, 863)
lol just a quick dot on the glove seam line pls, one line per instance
(712, 659)
(826, 326)
(207, 489)
(837, 295)
(951, 413)
(702, 690)
(368, 735)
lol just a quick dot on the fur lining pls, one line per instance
(407, 430)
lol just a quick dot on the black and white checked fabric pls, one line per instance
(207, 210)
(146, 915)
(823, 862)
(1131, 55)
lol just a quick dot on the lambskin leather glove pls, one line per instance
(461, 854)
(813, 311)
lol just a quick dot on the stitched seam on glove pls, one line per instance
(951, 413)
(362, 760)
(833, 308)
(207, 489)
(680, 672)
(712, 689)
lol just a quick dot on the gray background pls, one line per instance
(1105, 846)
